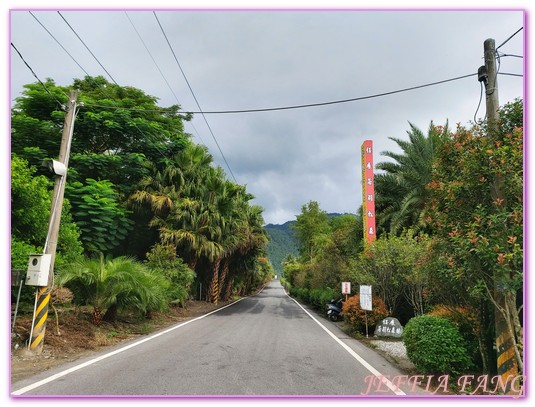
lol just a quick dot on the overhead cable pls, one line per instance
(59, 43)
(86, 47)
(98, 85)
(36, 77)
(270, 109)
(194, 97)
(159, 70)
(507, 40)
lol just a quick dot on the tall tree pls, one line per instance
(481, 234)
(311, 228)
(401, 190)
(118, 131)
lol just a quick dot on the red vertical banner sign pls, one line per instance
(368, 191)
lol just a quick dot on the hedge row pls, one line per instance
(317, 297)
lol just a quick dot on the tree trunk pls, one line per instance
(213, 290)
(111, 313)
(223, 276)
(192, 263)
(228, 290)
(96, 317)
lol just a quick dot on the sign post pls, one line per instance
(368, 192)
(366, 302)
(346, 288)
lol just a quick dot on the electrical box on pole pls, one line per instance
(38, 269)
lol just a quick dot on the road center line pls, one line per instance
(373, 371)
(115, 352)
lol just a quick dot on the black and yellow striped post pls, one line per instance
(39, 319)
(507, 364)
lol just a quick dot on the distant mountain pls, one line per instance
(282, 243)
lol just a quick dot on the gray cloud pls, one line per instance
(253, 59)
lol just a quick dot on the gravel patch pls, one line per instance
(395, 349)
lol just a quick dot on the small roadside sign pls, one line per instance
(366, 297)
(346, 287)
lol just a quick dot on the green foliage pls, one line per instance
(128, 153)
(102, 221)
(117, 131)
(123, 170)
(466, 321)
(30, 203)
(311, 229)
(317, 298)
(282, 242)
(120, 282)
(392, 265)
(163, 260)
(476, 212)
(401, 190)
(435, 346)
(30, 210)
(20, 253)
(69, 247)
(356, 317)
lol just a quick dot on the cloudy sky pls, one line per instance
(239, 60)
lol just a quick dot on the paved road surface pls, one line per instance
(262, 345)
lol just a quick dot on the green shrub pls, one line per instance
(435, 345)
(319, 297)
(467, 322)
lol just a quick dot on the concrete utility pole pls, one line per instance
(43, 293)
(491, 85)
(507, 364)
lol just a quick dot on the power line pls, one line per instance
(511, 55)
(194, 97)
(159, 70)
(334, 102)
(512, 74)
(270, 109)
(507, 40)
(86, 47)
(59, 43)
(36, 77)
(98, 85)
(305, 106)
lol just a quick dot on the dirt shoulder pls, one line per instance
(75, 337)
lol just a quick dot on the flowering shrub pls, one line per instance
(356, 316)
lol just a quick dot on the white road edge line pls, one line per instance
(107, 355)
(374, 371)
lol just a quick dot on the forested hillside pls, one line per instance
(282, 243)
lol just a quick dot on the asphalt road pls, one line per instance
(262, 345)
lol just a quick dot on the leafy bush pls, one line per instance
(97, 211)
(319, 297)
(435, 346)
(356, 316)
(163, 260)
(466, 321)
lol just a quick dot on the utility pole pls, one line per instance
(505, 344)
(43, 293)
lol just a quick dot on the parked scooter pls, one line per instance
(334, 310)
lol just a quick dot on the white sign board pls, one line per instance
(366, 297)
(346, 287)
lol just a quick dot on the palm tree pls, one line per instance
(401, 189)
(109, 284)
